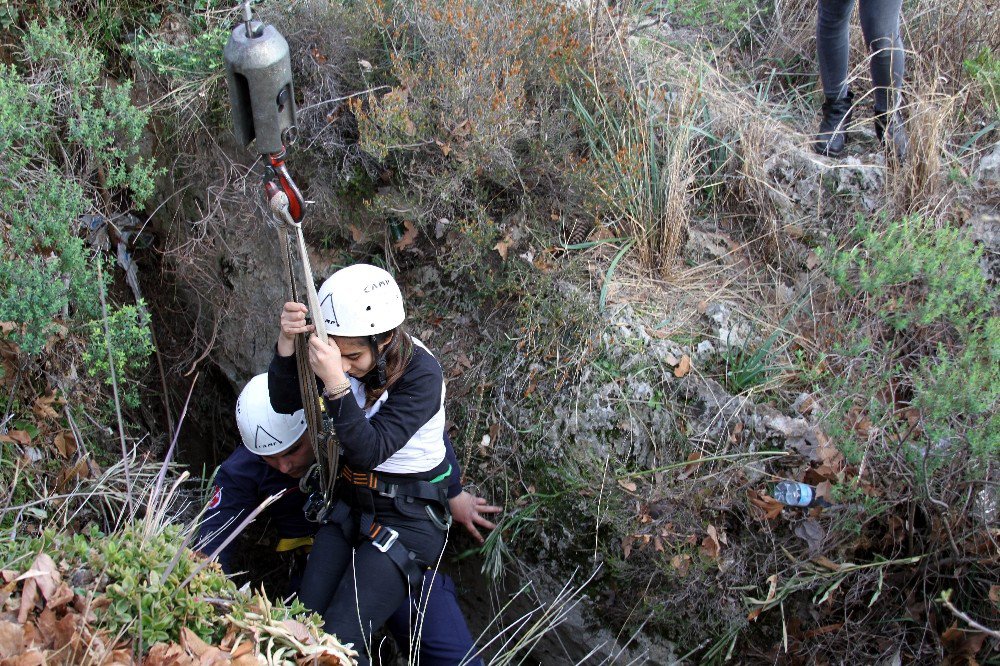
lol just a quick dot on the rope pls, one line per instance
(324, 444)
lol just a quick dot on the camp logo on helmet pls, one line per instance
(216, 498)
(268, 441)
(328, 303)
(372, 287)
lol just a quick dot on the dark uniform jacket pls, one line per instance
(244, 480)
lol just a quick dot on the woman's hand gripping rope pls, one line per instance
(324, 355)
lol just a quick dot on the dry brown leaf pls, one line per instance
(766, 507)
(119, 658)
(16, 437)
(69, 475)
(318, 56)
(691, 465)
(961, 647)
(683, 367)
(502, 246)
(408, 237)
(627, 542)
(826, 562)
(45, 626)
(193, 643)
(246, 660)
(445, 148)
(29, 597)
(462, 129)
(356, 234)
(11, 639)
(772, 592)
(298, 630)
(681, 563)
(214, 657)
(32, 657)
(819, 631)
(995, 594)
(630, 486)
(710, 544)
(409, 127)
(65, 443)
(67, 633)
(244, 648)
(812, 533)
(164, 654)
(44, 407)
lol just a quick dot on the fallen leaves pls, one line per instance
(765, 507)
(408, 237)
(44, 407)
(711, 545)
(65, 443)
(629, 486)
(683, 367)
(772, 593)
(503, 246)
(54, 627)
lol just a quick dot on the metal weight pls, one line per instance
(259, 73)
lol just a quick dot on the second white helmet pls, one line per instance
(264, 431)
(361, 300)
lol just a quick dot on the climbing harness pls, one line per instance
(259, 74)
(432, 494)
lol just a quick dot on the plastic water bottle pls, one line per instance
(793, 493)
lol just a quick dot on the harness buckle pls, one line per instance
(386, 537)
(314, 507)
(390, 490)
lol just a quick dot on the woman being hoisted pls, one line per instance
(385, 395)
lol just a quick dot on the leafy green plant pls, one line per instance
(984, 67)
(71, 139)
(131, 345)
(143, 580)
(916, 273)
(931, 342)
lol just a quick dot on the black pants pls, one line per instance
(880, 26)
(355, 586)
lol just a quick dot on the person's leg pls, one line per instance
(880, 25)
(371, 589)
(328, 560)
(443, 636)
(833, 30)
(373, 586)
(832, 50)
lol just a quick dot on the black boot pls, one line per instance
(890, 132)
(833, 127)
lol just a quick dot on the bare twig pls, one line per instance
(946, 600)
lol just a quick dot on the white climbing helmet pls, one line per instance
(264, 431)
(359, 301)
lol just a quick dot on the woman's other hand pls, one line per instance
(293, 322)
(468, 509)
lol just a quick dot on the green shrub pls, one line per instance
(131, 345)
(928, 339)
(71, 139)
(137, 582)
(985, 69)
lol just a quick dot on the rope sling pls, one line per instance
(324, 444)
